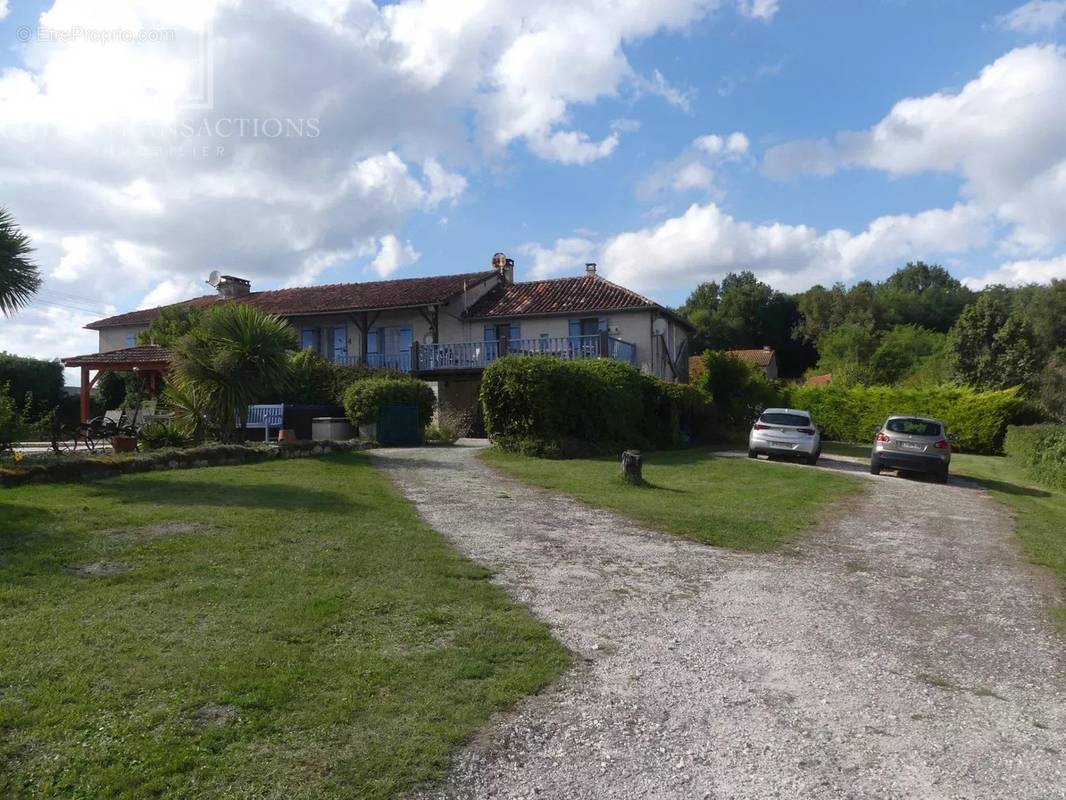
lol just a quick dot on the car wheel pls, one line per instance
(752, 454)
(812, 459)
(942, 475)
(875, 466)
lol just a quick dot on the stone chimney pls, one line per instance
(590, 269)
(505, 266)
(230, 286)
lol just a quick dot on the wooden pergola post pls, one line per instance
(86, 388)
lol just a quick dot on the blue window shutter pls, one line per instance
(406, 337)
(307, 338)
(515, 333)
(490, 333)
(602, 325)
(372, 341)
(575, 327)
(131, 340)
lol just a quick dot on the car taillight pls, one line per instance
(808, 431)
(760, 427)
(943, 444)
(883, 437)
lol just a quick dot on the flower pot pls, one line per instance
(286, 435)
(369, 431)
(124, 444)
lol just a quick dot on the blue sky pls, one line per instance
(670, 142)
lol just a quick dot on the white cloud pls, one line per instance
(758, 9)
(172, 291)
(1034, 16)
(1019, 273)
(704, 243)
(392, 255)
(565, 257)
(695, 167)
(1002, 133)
(660, 86)
(3, 9)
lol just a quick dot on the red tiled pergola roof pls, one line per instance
(586, 294)
(141, 357)
(336, 297)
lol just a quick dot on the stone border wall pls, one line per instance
(109, 466)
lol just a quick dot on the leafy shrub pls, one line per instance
(1041, 449)
(852, 414)
(366, 397)
(157, 435)
(450, 426)
(738, 389)
(344, 376)
(544, 406)
(311, 379)
(8, 416)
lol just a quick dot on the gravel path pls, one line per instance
(902, 650)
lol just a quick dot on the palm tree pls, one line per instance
(19, 278)
(236, 355)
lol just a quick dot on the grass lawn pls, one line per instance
(728, 502)
(1040, 512)
(279, 630)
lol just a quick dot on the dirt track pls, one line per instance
(903, 650)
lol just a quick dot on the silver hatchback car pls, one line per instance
(913, 444)
(785, 431)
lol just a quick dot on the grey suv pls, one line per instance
(914, 444)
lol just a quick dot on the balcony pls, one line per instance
(475, 356)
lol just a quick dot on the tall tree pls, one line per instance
(19, 278)
(992, 345)
(744, 312)
(922, 294)
(172, 323)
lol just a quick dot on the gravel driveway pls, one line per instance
(903, 650)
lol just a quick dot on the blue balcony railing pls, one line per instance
(478, 355)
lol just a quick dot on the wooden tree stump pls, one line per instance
(632, 467)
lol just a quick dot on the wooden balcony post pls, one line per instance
(414, 355)
(605, 345)
(505, 345)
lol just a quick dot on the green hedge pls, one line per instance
(1041, 449)
(546, 406)
(853, 414)
(364, 398)
(42, 379)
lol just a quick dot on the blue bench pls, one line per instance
(265, 417)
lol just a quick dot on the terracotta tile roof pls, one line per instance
(129, 356)
(337, 297)
(761, 357)
(561, 296)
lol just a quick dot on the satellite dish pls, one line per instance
(214, 278)
(427, 339)
(659, 327)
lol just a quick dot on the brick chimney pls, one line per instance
(590, 269)
(505, 266)
(230, 286)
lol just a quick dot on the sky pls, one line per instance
(145, 143)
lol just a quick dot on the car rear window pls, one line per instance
(914, 427)
(777, 418)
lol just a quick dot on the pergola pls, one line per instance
(150, 359)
